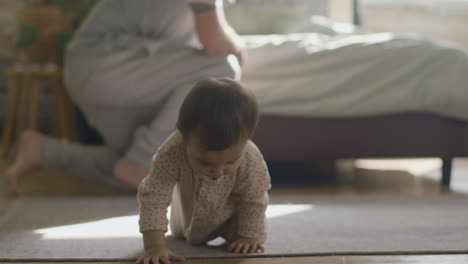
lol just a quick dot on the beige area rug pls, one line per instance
(106, 228)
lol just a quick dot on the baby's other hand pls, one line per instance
(157, 255)
(246, 245)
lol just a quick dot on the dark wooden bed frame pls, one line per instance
(403, 135)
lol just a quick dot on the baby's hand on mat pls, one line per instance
(157, 255)
(246, 245)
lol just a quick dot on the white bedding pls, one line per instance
(317, 75)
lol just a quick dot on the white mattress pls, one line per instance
(315, 75)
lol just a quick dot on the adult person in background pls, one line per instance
(128, 69)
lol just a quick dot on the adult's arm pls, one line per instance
(214, 32)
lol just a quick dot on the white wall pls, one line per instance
(442, 19)
(341, 10)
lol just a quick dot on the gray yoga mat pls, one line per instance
(107, 229)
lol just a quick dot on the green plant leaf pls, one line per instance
(25, 36)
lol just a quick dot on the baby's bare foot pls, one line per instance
(28, 158)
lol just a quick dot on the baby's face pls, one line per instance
(214, 164)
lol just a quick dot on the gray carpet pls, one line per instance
(106, 228)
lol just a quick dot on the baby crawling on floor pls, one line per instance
(210, 172)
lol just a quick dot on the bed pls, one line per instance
(359, 96)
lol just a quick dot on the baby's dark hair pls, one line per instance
(220, 111)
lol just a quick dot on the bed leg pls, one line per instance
(446, 172)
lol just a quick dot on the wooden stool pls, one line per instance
(24, 95)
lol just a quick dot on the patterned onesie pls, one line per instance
(232, 206)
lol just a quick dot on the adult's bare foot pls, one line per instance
(28, 158)
(130, 172)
